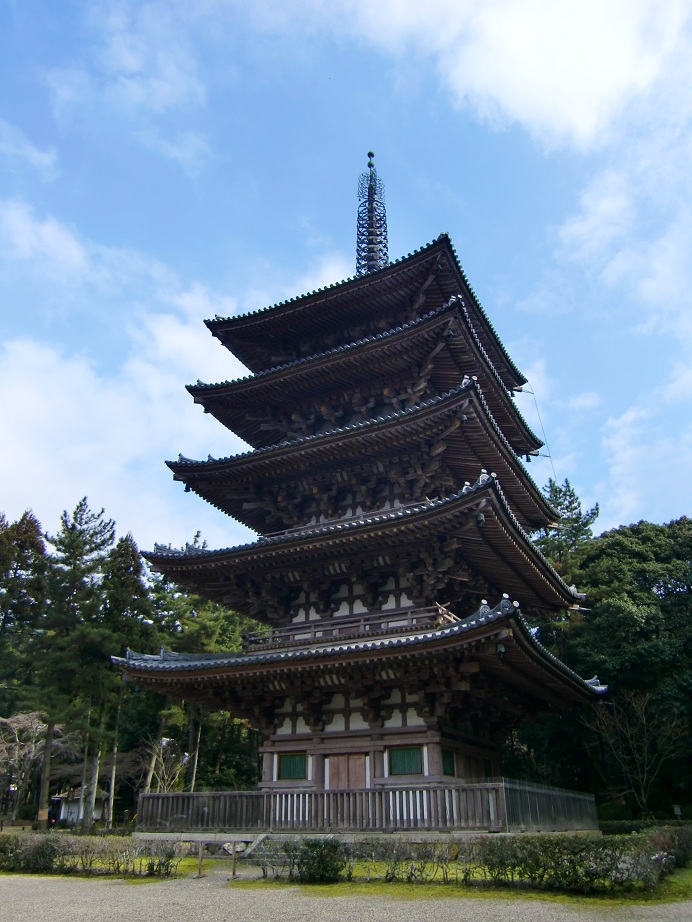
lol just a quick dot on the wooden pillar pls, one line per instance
(377, 763)
(318, 770)
(267, 766)
(435, 769)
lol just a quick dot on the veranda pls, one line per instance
(502, 805)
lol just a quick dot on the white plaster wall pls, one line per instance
(356, 722)
(337, 723)
(412, 719)
(283, 728)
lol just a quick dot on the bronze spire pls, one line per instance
(371, 245)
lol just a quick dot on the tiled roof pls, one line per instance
(468, 385)
(454, 307)
(299, 536)
(367, 280)
(337, 350)
(169, 662)
(362, 280)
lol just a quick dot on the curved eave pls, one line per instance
(434, 270)
(510, 374)
(228, 484)
(530, 665)
(250, 336)
(497, 547)
(384, 356)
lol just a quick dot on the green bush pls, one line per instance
(316, 860)
(579, 863)
(675, 841)
(9, 853)
(43, 853)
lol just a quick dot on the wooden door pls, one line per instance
(347, 772)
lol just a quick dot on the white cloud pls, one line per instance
(561, 69)
(586, 401)
(606, 213)
(77, 432)
(140, 67)
(47, 244)
(323, 270)
(189, 149)
(16, 147)
(678, 388)
(94, 417)
(144, 60)
(633, 228)
(327, 269)
(643, 454)
(564, 71)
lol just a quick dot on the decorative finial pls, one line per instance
(371, 247)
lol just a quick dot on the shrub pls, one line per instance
(10, 851)
(44, 853)
(581, 863)
(320, 861)
(38, 854)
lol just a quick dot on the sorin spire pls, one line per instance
(371, 245)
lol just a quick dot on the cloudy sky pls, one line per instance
(163, 161)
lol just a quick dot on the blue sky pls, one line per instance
(162, 162)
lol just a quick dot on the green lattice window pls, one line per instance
(448, 762)
(293, 766)
(406, 761)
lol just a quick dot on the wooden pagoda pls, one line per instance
(393, 511)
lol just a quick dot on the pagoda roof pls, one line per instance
(524, 663)
(429, 275)
(229, 483)
(490, 539)
(379, 357)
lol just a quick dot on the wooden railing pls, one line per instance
(336, 627)
(498, 806)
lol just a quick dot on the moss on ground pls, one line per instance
(675, 888)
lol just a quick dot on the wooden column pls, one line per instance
(318, 770)
(267, 766)
(435, 769)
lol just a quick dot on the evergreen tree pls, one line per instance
(67, 651)
(563, 544)
(636, 634)
(127, 616)
(22, 598)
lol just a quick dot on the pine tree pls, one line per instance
(563, 544)
(22, 598)
(67, 651)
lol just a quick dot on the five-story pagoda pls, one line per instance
(387, 491)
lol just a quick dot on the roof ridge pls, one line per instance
(335, 350)
(168, 660)
(369, 277)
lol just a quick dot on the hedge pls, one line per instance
(588, 863)
(46, 853)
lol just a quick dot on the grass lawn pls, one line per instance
(675, 888)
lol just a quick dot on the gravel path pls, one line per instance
(25, 898)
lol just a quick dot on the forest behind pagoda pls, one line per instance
(70, 600)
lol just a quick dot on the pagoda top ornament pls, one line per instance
(371, 246)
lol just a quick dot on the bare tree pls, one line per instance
(21, 750)
(165, 762)
(640, 735)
